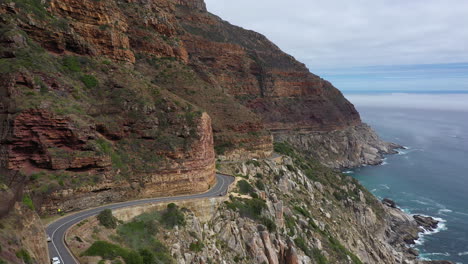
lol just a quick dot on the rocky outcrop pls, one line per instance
(426, 222)
(21, 236)
(192, 4)
(389, 203)
(271, 83)
(194, 172)
(38, 139)
(346, 148)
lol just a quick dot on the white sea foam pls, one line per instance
(385, 186)
(441, 226)
(348, 172)
(444, 210)
(403, 151)
(405, 210)
(463, 253)
(420, 202)
(460, 213)
(437, 254)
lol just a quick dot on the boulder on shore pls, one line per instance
(426, 222)
(389, 203)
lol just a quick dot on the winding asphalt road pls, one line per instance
(57, 229)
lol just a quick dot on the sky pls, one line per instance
(365, 44)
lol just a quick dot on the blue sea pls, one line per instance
(430, 177)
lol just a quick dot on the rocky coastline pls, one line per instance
(341, 149)
(406, 230)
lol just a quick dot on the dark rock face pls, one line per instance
(426, 222)
(389, 203)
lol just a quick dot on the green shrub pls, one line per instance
(290, 224)
(28, 201)
(291, 167)
(62, 24)
(251, 208)
(341, 250)
(196, 246)
(106, 219)
(283, 148)
(24, 255)
(71, 63)
(147, 256)
(311, 174)
(35, 7)
(253, 162)
(104, 146)
(318, 256)
(138, 234)
(302, 211)
(245, 187)
(270, 224)
(172, 216)
(110, 251)
(89, 81)
(162, 255)
(340, 195)
(223, 147)
(301, 243)
(260, 185)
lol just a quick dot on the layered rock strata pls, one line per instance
(345, 148)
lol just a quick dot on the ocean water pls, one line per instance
(431, 176)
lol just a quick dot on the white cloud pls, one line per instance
(452, 102)
(341, 33)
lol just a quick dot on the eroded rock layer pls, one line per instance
(115, 99)
(345, 148)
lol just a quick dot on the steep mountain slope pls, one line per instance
(105, 101)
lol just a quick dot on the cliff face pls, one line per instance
(293, 104)
(262, 77)
(80, 122)
(117, 89)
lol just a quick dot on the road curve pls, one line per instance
(56, 230)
